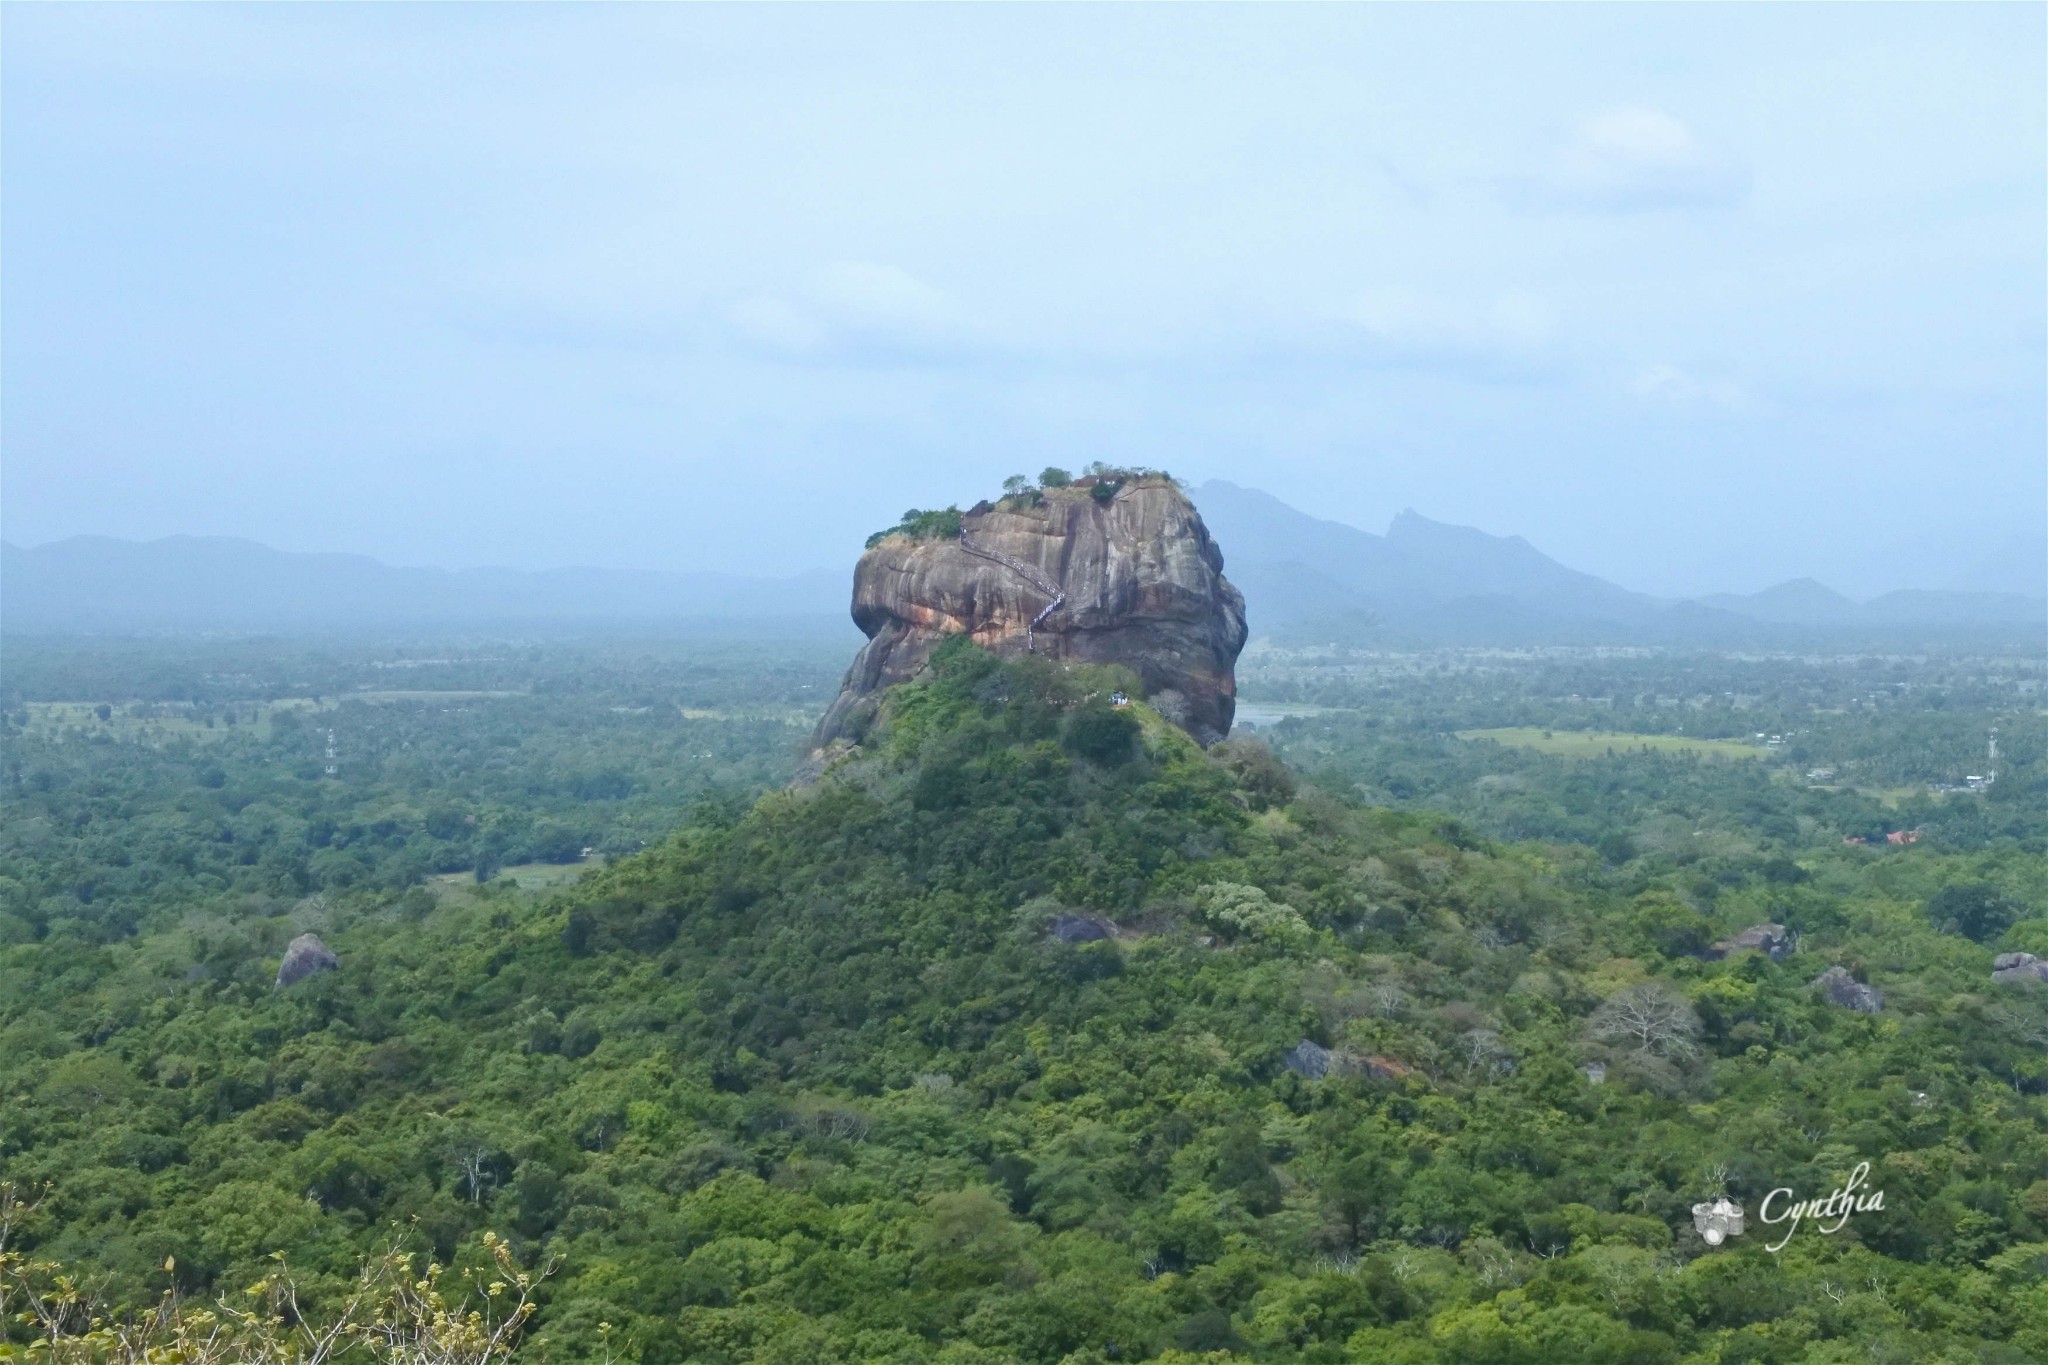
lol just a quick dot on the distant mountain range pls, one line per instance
(95, 583)
(1304, 579)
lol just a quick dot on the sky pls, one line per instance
(1696, 298)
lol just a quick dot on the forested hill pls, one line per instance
(1037, 1033)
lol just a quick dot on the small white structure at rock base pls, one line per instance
(1717, 1221)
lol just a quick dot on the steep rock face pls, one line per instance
(1143, 586)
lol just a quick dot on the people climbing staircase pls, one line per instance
(1029, 574)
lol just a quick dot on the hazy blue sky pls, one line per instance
(1693, 297)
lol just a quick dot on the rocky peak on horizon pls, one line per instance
(1137, 579)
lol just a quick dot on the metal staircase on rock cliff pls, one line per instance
(1030, 575)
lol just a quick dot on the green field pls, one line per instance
(537, 878)
(1594, 743)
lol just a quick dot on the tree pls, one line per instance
(1264, 779)
(1102, 733)
(1976, 910)
(1247, 910)
(1016, 483)
(1052, 476)
(395, 1310)
(1671, 926)
(1651, 1018)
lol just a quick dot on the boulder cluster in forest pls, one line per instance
(2018, 967)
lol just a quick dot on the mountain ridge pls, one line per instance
(226, 582)
(1303, 577)
(1309, 577)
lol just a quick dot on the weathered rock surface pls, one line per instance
(1079, 929)
(1143, 587)
(304, 956)
(1311, 1059)
(1772, 940)
(2018, 967)
(1846, 991)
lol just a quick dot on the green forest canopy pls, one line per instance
(816, 1080)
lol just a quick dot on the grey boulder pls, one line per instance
(1846, 991)
(1772, 940)
(1310, 1059)
(303, 957)
(1079, 929)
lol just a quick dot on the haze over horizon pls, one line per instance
(1695, 299)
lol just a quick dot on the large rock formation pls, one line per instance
(1142, 586)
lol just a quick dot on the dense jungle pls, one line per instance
(1409, 1024)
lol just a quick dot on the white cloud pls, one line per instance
(855, 310)
(881, 296)
(1630, 160)
(776, 324)
(1504, 336)
(1672, 387)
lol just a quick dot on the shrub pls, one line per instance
(918, 524)
(398, 1310)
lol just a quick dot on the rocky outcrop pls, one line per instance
(1138, 580)
(1772, 940)
(306, 955)
(1080, 929)
(1312, 1060)
(1844, 990)
(2018, 967)
(1309, 1058)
